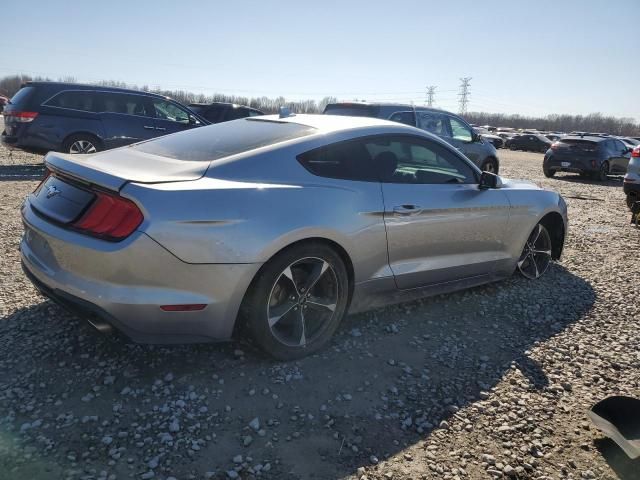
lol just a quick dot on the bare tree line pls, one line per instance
(594, 122)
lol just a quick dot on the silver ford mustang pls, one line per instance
(276, 228)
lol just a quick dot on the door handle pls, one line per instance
(407, 209)
(149, 127)
(162, 129)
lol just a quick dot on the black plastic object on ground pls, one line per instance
(619, 419)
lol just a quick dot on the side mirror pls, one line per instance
(193, 120)
(476, 137)
(489, 180)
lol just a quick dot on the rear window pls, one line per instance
(585, 145)
(213, 142)
(21, 96)
(352, 110)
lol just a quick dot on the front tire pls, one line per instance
(490, 165)
(298, 300)
(536, 255)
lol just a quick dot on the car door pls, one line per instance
(440, 226)
(461, 136)
(126, 118)
(171, 117)
(619, 156)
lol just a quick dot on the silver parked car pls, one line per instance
(276, 227)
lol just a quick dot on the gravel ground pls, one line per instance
(489, 383)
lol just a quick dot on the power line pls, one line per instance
(464, 94)
(431, 91)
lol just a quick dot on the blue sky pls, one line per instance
(532, 58)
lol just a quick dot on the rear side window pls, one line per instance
(236, 113)
(221, 140)
(408, 118)
(22, 96)
(348, 160)
(74, 100)
(432, 122)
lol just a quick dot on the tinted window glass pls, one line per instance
(254, 113)
(432, 122)
(459, 130)
(170, 111)
(21, 96)
(348, 160)
(352, 110)
(235, 113)
(122, 103)
(408, 118)
(412, 160)
(212, 142)
(73, 99)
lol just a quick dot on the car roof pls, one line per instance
(221, 104)
(84, 86)
(590, 138)
(330, 123)
(406, 106)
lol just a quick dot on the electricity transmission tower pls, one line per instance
(431, 91)
(464, 94)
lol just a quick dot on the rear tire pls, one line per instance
(286, 321)
(602, 175)
(82, 144)
(548, 173)
(631, 199)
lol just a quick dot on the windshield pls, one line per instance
(21, 96)
(223, 139)
(352, 110)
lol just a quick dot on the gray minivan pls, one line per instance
(446, 125)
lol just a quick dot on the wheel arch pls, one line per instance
(339, 249)
(82, 132)
(554, 223)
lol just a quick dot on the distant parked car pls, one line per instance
(530, 143)
(74, 118)
(631, 183)
(588, 155)
(3, 102)
(448, 126)
(495, 140)
(629, 142)
(553, 136)
(218, 112)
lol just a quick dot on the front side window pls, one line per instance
(169, 111)
(402, 159)
(122, 103)
(74, 100)
(460, 131)
(433, 123)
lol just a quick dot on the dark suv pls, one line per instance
(218, 112)
(594, 156)
(72, 118)
(446, 125)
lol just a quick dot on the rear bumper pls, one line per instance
(15, 141)
(631, 188)
(124, 284)
(571, 165)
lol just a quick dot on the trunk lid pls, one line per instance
(112, 169)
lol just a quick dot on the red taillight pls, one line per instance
(189, 307)
(555, 145)
(636, 152)
(110, 216)
(23, 117)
